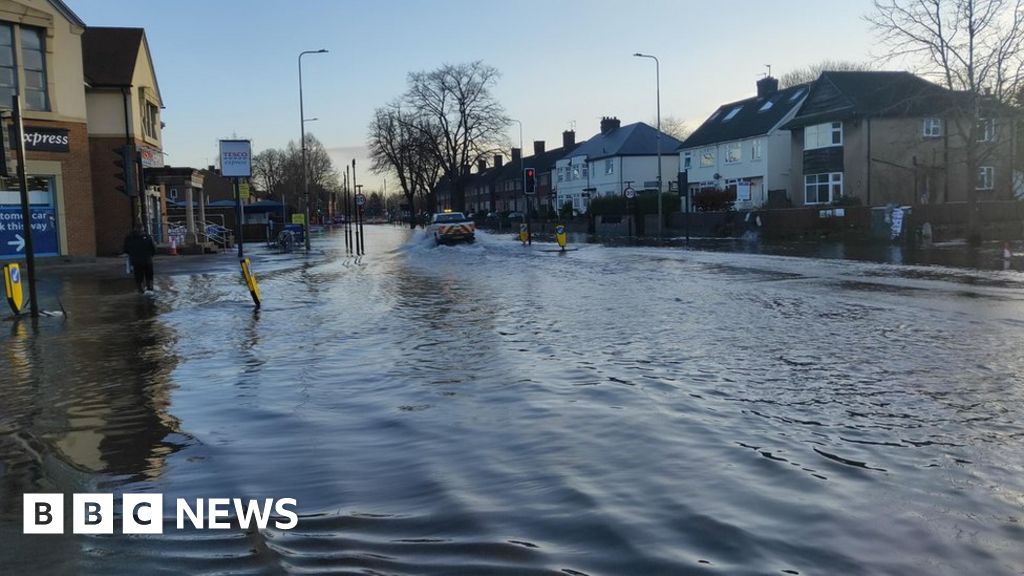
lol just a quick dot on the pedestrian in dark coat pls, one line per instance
(140, 248)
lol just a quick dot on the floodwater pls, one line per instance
(495, 409)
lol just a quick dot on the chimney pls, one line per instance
(767, 86)
(481, 165)
(517, 153)
(609, 123)
(499, 160)
(538, 147)
(568, 138)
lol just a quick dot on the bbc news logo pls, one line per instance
(143, 513)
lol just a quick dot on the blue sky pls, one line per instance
(228, 67)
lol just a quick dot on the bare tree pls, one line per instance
(396, 146)
(460, 117)
(268, 169)
(675, 127)
(811, 72)
(974, 47)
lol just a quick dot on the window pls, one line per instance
(609, 166)
(150, 118)
(932, 127)
(586, 171)
(823, 135)
(986, 130)
(687, 160)
(823, 188)
(733, 152)
(796, 95)
(707, 158)
(8, 69)
(986, 177)
(576, 172)
(561, 174)
(755, 149)
(766, 106)
(732, 113)
(34, 61)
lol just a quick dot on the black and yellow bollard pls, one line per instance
(250, 281)
(524, 234)
(13, 288)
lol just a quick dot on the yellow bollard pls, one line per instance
(560, 236)
(13, 288)
(523, 234)
(250, 281)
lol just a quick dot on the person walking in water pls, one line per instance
(140, 248)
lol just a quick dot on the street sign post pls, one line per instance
(235, 163)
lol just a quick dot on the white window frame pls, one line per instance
(823, 135)
(733, 152)
(756, 149)
(707, 157)
(986, 130)
(986, 178)
(687, 160)
(932, 128)
(831, 179)
(609, 166)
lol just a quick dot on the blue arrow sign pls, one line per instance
(12, 232)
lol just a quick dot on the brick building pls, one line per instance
(124, 103)
(41, 59)
(84, 91)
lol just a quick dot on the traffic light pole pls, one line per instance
(239, 217)
(26, 213)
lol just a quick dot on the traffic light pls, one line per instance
(126, 168)
(530, 177)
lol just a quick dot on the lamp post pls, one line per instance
(302, 139)
(657, 77)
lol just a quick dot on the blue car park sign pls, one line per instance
(12, 232)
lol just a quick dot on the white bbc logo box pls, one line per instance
(92, 514)
(143, 513)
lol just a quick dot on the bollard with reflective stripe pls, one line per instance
(560, 236)
(250, 281)
(524, 234)
(13, 288)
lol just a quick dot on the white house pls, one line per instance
(742, 147)
(618, 157)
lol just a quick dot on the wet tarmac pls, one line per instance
(495, 409)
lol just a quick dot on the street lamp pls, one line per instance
(302, 134)
(657, 77)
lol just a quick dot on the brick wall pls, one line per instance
(76, 177)
(112, 209)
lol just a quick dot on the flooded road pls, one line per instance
(494, 409)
